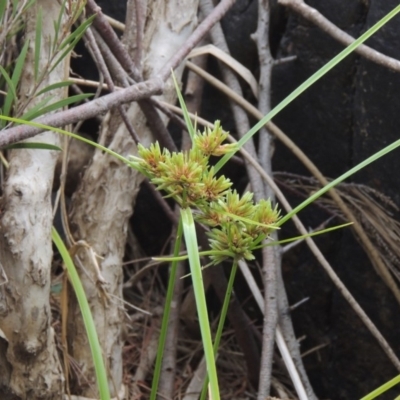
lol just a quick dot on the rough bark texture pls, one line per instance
(29, 363)
(103, 204)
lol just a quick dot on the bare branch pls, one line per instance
(99, 106)
(101, 65)
(136, 92)
(312, 15)
(103, 26)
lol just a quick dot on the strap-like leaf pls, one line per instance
(38, 42)
(33, 145)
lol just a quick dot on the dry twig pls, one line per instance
(312, 15)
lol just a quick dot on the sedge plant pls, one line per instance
(236, 225)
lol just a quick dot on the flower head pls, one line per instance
(210, 141)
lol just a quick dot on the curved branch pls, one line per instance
(312, 15)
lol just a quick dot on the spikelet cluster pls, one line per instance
(237, 225)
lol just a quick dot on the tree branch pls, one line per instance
(312, 15)
(136, 92)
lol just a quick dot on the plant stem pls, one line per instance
(221, 323)
(382, 389)
(167, 311)
(195, 267)
(101, 375)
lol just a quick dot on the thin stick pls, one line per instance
(240, 117)
(101, 65)
(271, 258)
(103, 26)
(312, 15)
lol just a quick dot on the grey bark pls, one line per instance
(28, 357)
(103, 204)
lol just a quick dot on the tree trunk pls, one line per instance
(29, 364)
(103, 204)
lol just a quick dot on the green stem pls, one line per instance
(221, 322)
(167, 311)
(382, 389)
(97, 354)
(197, 278)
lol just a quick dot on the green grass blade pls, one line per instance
(33, 145)
(3, 4)
(57, 26)
(70, 42)
(185, 112)
(38, 42)
(76, 35)
(56, 106)
(221, 323)
(382, 389)
(301, 237)
(341, 178)
(70, 134)
(101, 375)
(78, 11)
(14, 8)
(57, 85)
(310, 81)
(33, 110)
(166, 314)
(197, 279)
(11, 93)
(19, 65)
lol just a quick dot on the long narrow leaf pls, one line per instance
(185, 111)
(221, 322)
(382, 389)
(70, 134)
(74, 36)
(38, 42)
(19, 64)
(11, 93)
(32, 111)
(341, 178)
(57, 85)
(57, 25)
(97, 354)
(301, 237)
(14, 8)
(59, 104)
(33, 145)
(78, 12)
(3, 4)
(310, 81)
(197, 278)
(9, 81)
(166, 314)
(69, 43)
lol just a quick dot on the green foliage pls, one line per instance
(382, 389)
(60, 47)
(33, 145)
(238, 225)
(97, 354)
